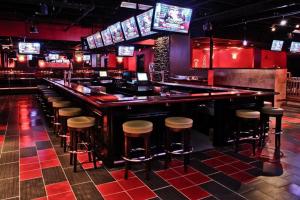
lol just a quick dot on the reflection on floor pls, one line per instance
(33, 166)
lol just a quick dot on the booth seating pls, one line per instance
(248, 122)
(56, 106)
(132, 130)
(82, 133)
(176, 125)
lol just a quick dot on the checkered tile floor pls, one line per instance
(33, 166)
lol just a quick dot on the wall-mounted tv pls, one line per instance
(144, 21)
(103, 74)
(295, 47)
(171, 18)
(130, 29)
(277, 45)
(98, 40)
(142, 77)
(106, 36)
(116, 32)
(91, 42)
(29, 48)
(125, 51)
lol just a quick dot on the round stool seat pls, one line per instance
(81, 122)
(272, 111)
(268, 104)
(178, 122)
(248, 114)
(61, 104)
(69, 112)
(42, 87)
(52, 99)
(137, 127)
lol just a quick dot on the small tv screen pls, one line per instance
(98, 40)
(91, 42)
(277, 45)
(86, 57)
(144, 21)
(125, 51)
(142, 77)
(106, 36)
(103, 74)
(171, 18)
(295, 47)
(130, 29)
(116, 32)
(53, 56)
(29, 48)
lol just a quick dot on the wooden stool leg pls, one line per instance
(89, 145)
(75, 150)
(255, 133)
(167, 148)
(186, 148)
(147, 156)
(277, 136)
(71, 147)
(126, 148)
(93, 142)
(237, 136)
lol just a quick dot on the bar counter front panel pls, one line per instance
(209, 107)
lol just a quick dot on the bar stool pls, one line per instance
(49, 110)
(246, 118)
(81, 128)
(268, 112)
(178, 125)
(56, 105)
(132, 130)
(64, 114)
(265, 123)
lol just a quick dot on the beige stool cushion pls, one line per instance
(61, 104)
(178, 122)
(52, 99)
(272, 111)
(267, 104)
(69, 112)
(81, 122)
(248, 114)
(137, 127)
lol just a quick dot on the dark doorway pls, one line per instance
(293, 61)
(140, 62)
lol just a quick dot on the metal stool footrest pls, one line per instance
(138, 160)
(180, 151)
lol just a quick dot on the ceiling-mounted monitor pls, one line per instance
(277, 45)
(91, 42)
(171, 18)
(295, 47)
(106, 36)
(98, 40)
(130, 29)
(126, 51)
(29, 48)
(144, 21)
(116, 32)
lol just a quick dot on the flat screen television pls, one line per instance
(142, 77)
(91, 42)
(86, 57)
(103, 74)
(130, 29)
(98, 40)
(171, 18)
(116, 32)
(277, 45)
(295, 47)
(144, 21)
(125, 51)
(106, 36)
(29, 48)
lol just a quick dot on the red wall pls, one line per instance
(271, 59)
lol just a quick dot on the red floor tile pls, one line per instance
(175, 163)
(90, 165)
(141, 193)
(109, 188)
(195, 192)
(227, 159)
(180, 170)
(58, 188)
(83, 157)
(29, 167)
(30, 175)
(118, 196)
(119, 174)
(213, 153)
(131, 183)
(27, 160)
(47, 154)
(168, 174)
(243, 177)
(241, 165)
(49, 163)
(180, 182)
(227, 169)
(62, 196)
(213, 162)
(197, 178)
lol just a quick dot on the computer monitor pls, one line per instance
(126, 76)
(142, 77)
(103, 74)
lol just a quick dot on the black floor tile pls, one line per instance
(9, 188)
(227, 181)
(255, 172)
(31, 189)
(9, 170)
(60, 151)
(169, 193)
(11, 144)
(64, 160)
(100, 176)
(9, 157)
(240, 157)
(43, 145)
(200, 156)
(75, 178)
(86, 191)
(202, 167)
(28, 152)
(155, 181)
(53, 175)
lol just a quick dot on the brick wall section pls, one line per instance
(162, 55)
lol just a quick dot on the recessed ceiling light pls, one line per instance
(283, 22)
(273, 29)
(297, 26)
(245, 42)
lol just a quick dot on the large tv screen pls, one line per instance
(116, 32)
(171, 18)
(130, 29)
(98, 40)
(144, 21)
(29, 48)
(295, 47)
(125, 51)
(91, 42)
(277, 45)
(106, 36)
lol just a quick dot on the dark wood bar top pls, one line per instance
(105, 100)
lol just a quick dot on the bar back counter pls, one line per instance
(209, 107)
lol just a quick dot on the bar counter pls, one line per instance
(218, 104)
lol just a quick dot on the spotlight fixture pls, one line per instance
(297, 26)
(273, 28)
(245, 42)
(283, 22)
